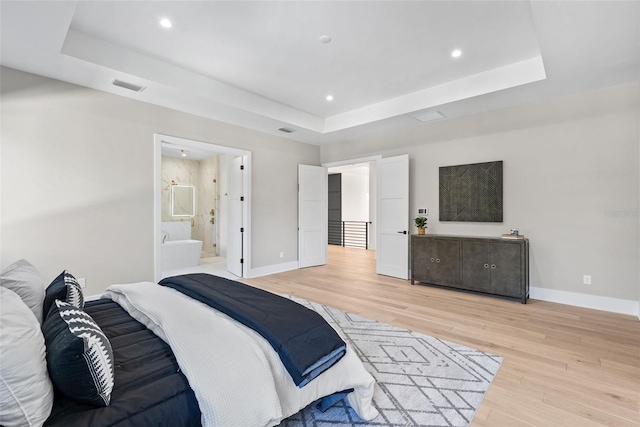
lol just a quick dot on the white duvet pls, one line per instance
(237, 377)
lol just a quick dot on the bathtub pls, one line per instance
(178, 254)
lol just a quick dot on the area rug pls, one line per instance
(421, 380)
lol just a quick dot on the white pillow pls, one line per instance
(23, 279)
(26, 393)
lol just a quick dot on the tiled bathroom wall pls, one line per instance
(208, 201)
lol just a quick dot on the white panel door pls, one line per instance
(235, 220)
(312, 216)
(392, 237)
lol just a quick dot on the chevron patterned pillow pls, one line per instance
(79, 355)
(66, 288)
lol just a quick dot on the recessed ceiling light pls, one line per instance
(325, 39)
(166, 23)
(456, 53)
(329, 97)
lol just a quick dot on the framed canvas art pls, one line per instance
(471, 193)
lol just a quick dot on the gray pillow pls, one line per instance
(26, 393)
(23, 279)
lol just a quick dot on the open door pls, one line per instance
(235, 217)
(312, 216)
(392, 237)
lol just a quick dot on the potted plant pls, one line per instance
(421, 223)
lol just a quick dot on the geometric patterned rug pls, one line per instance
(421, 380)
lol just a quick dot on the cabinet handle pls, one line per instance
(437, 259)
(493, 266)
(486, 266)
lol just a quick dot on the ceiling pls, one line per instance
(261, 64)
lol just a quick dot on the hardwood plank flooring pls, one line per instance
(563, 365)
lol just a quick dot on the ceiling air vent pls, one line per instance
(429, 117)
(286, 130)
(129, 86)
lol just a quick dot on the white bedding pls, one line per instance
(237, 377)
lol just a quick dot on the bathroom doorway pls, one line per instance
(191, 205)
(196, 172)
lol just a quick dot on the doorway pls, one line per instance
(390, 212)
(191, 184)
(201, 169)
(352, 204)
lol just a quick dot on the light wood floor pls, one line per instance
(563, 365)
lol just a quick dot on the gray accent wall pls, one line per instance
(77, 180)
(571, 182)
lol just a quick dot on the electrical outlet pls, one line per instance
(586, 279)
(82, 282)
(281, 254)
(423, 211)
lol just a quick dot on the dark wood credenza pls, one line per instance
(490, 265)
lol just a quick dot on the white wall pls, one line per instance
(355, 194)
(571, 175)
(77, 180)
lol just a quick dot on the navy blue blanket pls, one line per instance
(307, 345)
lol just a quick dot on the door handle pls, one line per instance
(402, 232)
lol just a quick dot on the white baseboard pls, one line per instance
(616, 305)
(273, 269)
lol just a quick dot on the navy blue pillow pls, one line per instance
(66, 288)
(79, 355)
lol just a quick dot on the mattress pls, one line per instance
(149, 388)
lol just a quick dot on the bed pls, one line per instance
(208, 368)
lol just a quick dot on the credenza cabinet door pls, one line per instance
(435, 261)
(476, 270)
(506, 269)
(423, 259)
(447, 263)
